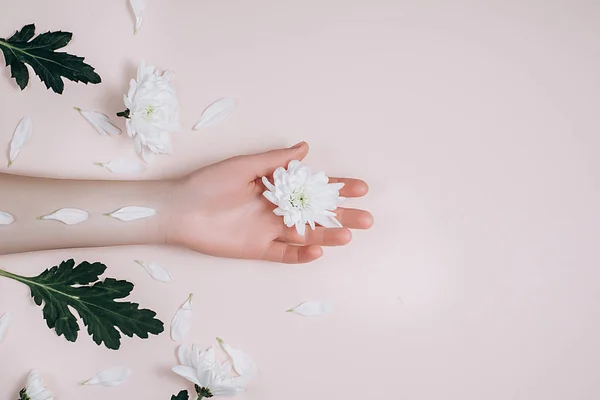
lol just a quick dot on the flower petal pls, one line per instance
(216, 112)
(100, 121)
(35, 387)
(156, 271)
(122, 166)
(328, 222)
(147, 154)
(242, 363)
(131, 213)
(182, 321)
(188, 373)
(6, 218)
(268, 184)
(138, 7)
(68, 216)
(301, 228)
(21, 135)
(110, 377)
(312, 308)
(5, 321)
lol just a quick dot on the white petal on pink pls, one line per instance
(216, 112)
(182, 321)
(138, 7)
(156, 271)
(6, 218)
(123, 166)
(110, 377)
(22, 134)
(68, 216)
(5, 321)
(100, 122)
(132, 213)
(312, 308)
(242, 363)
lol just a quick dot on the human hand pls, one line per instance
(219, 210)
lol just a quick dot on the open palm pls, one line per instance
(219, 210)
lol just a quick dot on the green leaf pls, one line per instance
(51, 66)
(183, 395)
(79, 288)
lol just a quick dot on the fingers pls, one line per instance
(352, 187)
(290, 254)
(353, 218)
(263, 164)
(320, 236)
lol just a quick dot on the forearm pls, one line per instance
(29, 198)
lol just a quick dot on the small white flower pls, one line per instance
(210, 377)
(35, 388)
(302, 197)
(152, 111)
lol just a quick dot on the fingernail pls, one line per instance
(297, 145)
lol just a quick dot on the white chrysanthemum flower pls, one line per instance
(152, 111)
(209, 377)
(303, 198)
(35, 388)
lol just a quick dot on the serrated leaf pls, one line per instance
(65, 287)
(21, 135)
(110, 377)
(131, 213)
(6, 218)
(216, 112)
(312, 309)
(51, 66)
(183, 395)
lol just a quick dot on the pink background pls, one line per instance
(475, 123)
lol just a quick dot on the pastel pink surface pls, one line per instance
(476, 125)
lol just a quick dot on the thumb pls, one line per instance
(263, 164)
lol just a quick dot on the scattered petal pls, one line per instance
(156, 271)
(131, 213)
(68, 216)
(21, 135)
(5, 321)
(182, 321)
(312, 308)
(215, 112)
(138, 7)
(122, 166)
(110, 377)
(6, 218)
(100, 121)
(242, 363)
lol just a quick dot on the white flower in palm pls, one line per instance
(152, 111)
(35, 388)
(210, 377)
(303, 198)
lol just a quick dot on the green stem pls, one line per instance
(124, 114)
